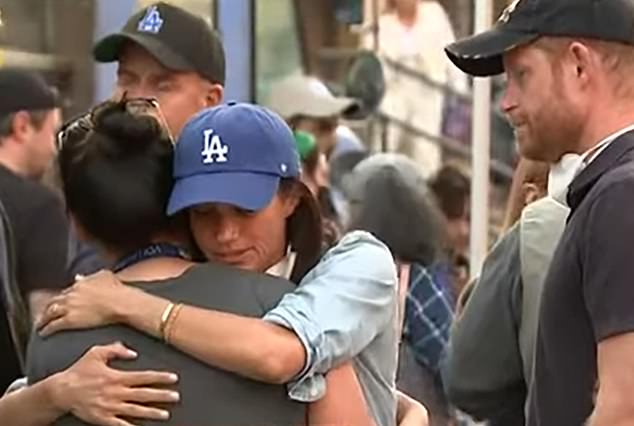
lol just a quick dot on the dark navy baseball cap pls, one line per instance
(235, 154)
(524, 21)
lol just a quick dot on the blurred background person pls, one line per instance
(452, 188)
(490, 361)
(36, 225)
(411, 37)
(315, 175)
(390, 198)
(307, 104)
(314, 113)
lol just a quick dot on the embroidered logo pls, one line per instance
(151, 22)
(213, 146)
(506, 15)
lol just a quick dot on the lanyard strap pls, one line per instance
(150, 252)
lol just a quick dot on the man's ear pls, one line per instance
(214, 95)
(584, 61)
(21, 127)
(531, 193)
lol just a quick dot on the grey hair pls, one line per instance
(391, 199)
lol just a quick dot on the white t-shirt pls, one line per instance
(419, 47)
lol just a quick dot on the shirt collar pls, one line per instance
(283, 268)
(570, 165)
(594, 152)
(598, 162)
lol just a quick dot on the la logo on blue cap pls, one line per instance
(151, 22)
(213, 146)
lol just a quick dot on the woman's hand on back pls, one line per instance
(93, 301)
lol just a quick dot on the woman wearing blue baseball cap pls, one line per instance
(115, 166)
(237, 173)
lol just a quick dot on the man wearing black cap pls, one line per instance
(29, 119)
(167, 53)
(568, 65)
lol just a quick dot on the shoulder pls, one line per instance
(612, 191)
(217, 285)
(360, 246)
(359, 258)
(222, 276)
(21, 193)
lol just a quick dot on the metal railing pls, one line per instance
(451, 145)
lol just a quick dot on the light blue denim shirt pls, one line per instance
(346, 309)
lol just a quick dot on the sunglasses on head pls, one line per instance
(85, 122)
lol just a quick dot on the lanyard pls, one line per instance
(150, 252)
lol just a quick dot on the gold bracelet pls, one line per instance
(171, 322)
(164, 318)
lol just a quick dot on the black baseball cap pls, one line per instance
(178, 39)
(524, 21)
(25, 91)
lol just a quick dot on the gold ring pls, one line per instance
(54, 308)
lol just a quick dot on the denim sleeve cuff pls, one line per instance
(309, 385)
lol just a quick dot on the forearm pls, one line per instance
(612, 413)
(344, 402)
(32, 406)
(246, 346)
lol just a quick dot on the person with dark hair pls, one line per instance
(35, 220)
(125, 141)
(237, 176)
(453, 188)
(390, 198)
(315, 175)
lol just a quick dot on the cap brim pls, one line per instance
(323, 108)
(249, 191)
(481, 54)
(109, 48)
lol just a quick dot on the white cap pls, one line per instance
(307, 96)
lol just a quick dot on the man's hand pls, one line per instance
(90, 302)
(100, 395)
(614, 405)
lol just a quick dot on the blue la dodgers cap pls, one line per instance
(235, 154)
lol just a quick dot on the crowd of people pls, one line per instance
(199, 261)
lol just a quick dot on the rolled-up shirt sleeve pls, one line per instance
(339, 308)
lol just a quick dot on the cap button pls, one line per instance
(232, 103)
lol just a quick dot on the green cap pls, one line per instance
(305, 142)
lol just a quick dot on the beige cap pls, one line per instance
(307, 96)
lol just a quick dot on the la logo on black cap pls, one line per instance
(151, 22)
(506, 15)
